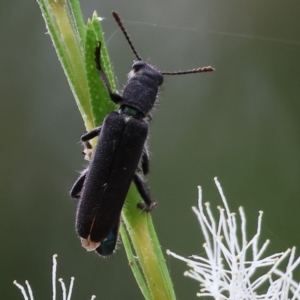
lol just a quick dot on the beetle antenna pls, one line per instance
(118, 20)
(193, 71)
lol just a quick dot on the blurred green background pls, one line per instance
(240, 123)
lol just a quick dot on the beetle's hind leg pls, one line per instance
(78, 185)
(143, 190)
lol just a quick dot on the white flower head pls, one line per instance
(66, 295)
(234, 268)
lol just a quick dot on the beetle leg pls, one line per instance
(145, 194)
(113, 96)
(90, 135)
(85, 140)
(78, 185)
(145, 160)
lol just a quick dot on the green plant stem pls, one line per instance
(75, 45)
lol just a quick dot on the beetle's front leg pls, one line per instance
(113, 96)
(85, 140)
(90, 135)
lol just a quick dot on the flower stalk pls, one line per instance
(66, 294)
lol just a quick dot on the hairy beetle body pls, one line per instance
(103, 186)
(109, 175)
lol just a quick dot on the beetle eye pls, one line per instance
(137, 65)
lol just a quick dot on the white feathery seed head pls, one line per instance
(233, 267)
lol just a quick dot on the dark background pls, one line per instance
(240, 123)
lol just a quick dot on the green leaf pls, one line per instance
(69, 49)
(78, 18)
(146, 245)
(134, 264)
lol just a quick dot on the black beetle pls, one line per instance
(120, 157)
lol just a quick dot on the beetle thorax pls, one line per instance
(141, 90)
